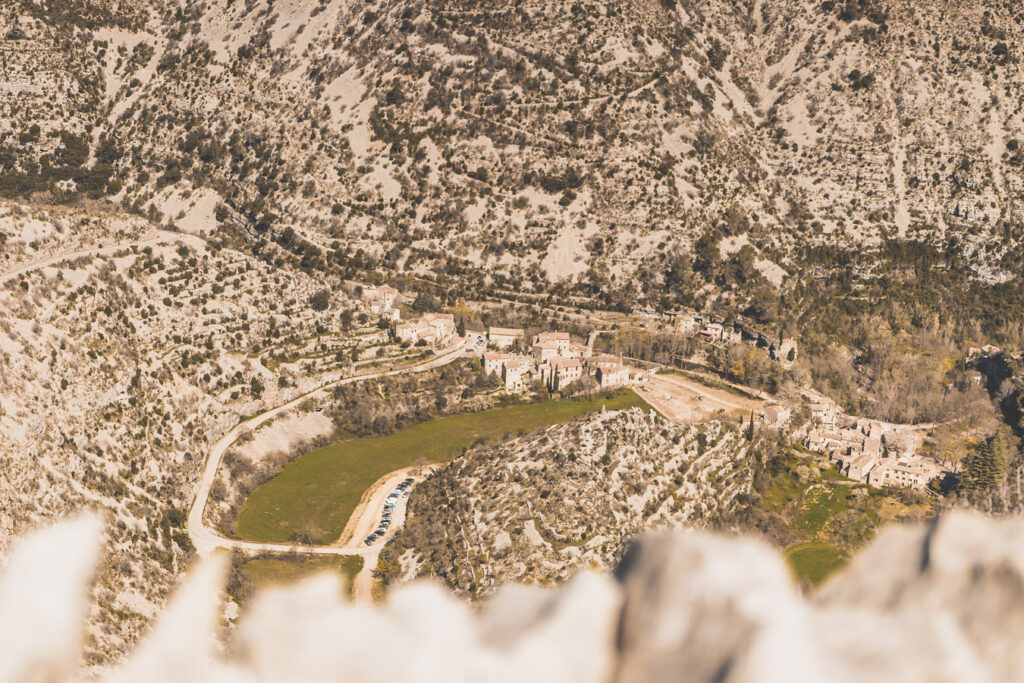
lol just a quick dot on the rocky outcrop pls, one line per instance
(937, 602)
(716, 608)
(943, 601)
(539, 508)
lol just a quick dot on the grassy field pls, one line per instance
(786, 488)
(261, 572)
(827, 516)
(821, 504)
(314, 495)
(815, 561)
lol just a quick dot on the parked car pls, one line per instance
(410, 480)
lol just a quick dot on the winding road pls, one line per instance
(207, 540)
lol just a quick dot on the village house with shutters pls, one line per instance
(776, 416)
(545, 351)
(560, 372)
(504, 337)
(560, 340)
(518, 373)
(383, 301)
(610, 377)
(494, 362)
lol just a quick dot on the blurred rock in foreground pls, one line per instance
(942, 602)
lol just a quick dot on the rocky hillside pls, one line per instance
(543, 506)
(572, 139)
(121, 363)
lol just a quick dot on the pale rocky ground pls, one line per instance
(543, 506)
(116, 372)
(921, 603)
(30, 236)
(560, 140)
(285, 434)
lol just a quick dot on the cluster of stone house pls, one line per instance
(436, 329)
(877, 453)
(383, 301)
(555, 359)
(824, 411)
(719, 331)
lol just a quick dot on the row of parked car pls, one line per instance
(389, 507)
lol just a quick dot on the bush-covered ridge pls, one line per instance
(542, 506)
(686, 143)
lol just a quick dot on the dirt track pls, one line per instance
(686, 401)
(160, 237)
(365, 519)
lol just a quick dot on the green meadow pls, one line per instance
(313, 496)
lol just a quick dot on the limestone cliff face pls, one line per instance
(925, 603)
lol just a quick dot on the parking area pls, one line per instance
(476, 343)
(393, 511)
(368, 516)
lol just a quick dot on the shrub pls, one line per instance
(320, 301)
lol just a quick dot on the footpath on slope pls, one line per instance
(160, 237)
